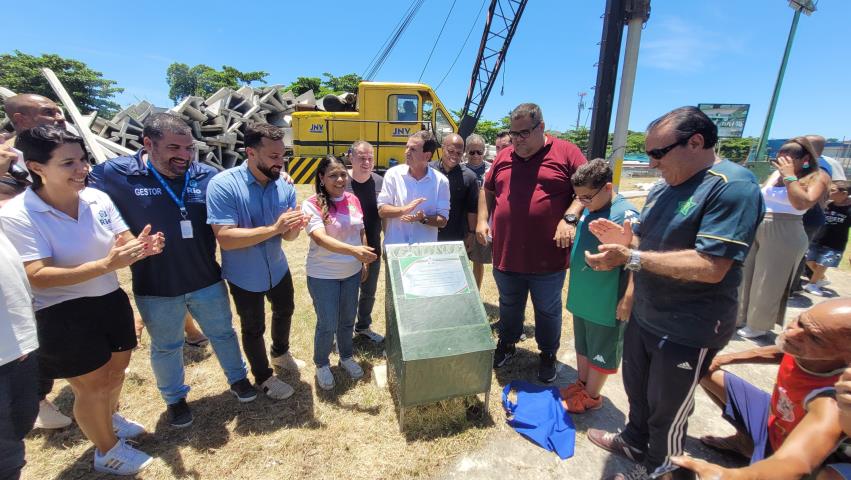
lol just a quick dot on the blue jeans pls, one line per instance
(546, 298)
(18, 409)
(163, 317)
(336, 304)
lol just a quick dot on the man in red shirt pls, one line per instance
(796, 429)
(534, 219)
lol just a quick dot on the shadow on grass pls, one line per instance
(342, 384)
(209, 432)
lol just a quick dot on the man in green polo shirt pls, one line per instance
(600, 301)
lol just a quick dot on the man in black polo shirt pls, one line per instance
(463, 193)
(366, 185)
(695, 231)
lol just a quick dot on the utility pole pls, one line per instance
(580, 108)
(607, 73)
(637, 11)
(807, 7)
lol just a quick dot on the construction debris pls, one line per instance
(218, 122)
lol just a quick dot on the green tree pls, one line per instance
(578, 137)
(346, 83)
(486, 128)
(736, 149)
(21, 73)
(203, 80)
(303, 84)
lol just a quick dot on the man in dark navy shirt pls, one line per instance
(695, 231)
(161, 186)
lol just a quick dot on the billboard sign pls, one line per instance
(728, 117)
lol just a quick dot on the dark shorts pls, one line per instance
(481, 253)
(747, 409)
(601, 345)
(78, 336)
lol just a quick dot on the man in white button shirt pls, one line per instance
(414, 199)
(18, 363)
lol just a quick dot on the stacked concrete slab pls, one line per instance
(218, 122)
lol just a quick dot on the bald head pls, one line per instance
(28, 110)
(453, 151)
(820, 333)
(818, 143)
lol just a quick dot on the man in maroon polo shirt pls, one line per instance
(534, 219)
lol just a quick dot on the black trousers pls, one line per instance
(18, 409)
(250, 306)
(660, 378)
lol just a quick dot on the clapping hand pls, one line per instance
(609, 232)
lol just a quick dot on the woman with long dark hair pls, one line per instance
(780, 241)
(72, 240)
(336, 265)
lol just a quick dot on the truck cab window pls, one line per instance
(403, 108)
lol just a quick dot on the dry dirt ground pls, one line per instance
(351, 432)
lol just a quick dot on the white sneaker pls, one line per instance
(748, 332)
(49, 417)
(823, 283)
(288, 362)
(814, 288)
(126, 428)
(276, 389)
(122, 459)
(370, 335)
(351, 367)
(325, 378)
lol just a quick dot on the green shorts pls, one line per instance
(602, 346)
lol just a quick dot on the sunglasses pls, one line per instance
(474, 152)
(659, 153)
(523, 134)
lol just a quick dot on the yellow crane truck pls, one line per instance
(383, 114)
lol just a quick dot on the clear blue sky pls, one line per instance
(691, 51)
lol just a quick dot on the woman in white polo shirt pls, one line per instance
(336, 266)
(72, 240)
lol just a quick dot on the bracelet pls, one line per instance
(790, 179)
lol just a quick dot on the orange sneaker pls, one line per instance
(581, 402)
(571, 389)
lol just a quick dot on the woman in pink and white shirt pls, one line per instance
(336, 265)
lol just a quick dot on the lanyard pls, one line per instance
(178, 201)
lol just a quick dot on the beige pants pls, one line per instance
(773, 259)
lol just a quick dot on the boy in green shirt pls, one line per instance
(599, 301)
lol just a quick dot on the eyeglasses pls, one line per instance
(524, 134)
(474, 152)
(588, 198)
(659, 153)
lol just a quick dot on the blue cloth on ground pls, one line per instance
(539, 415)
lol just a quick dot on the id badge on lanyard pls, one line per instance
(185, 223)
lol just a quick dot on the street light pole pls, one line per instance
(808, 8)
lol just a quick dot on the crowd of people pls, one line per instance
(661, 290)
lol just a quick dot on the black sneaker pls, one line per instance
(504, 352)
(243, 391)
(547, 367)
(179, 414)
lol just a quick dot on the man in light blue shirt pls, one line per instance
(250, 209)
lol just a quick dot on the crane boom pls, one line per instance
(503, 17)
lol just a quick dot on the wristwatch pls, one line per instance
(424, 221)
(571, 219)
(633, 263)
